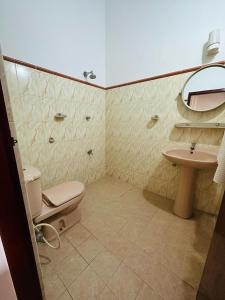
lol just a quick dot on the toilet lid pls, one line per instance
(59, 194)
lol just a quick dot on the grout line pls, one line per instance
(78, 252)
(70, 294)
(63, 285)
(143, 283)
(107, 284)
(143, 280)
(169, 271)
(77, 277)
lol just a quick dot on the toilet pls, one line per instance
(57, 206)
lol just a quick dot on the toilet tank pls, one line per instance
(32, 177)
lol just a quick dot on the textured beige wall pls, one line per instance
(35, 98)
(134, 143)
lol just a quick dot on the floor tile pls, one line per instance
(94, 224)
(154, 236)
(88, 286)
(109, 186)
(56, 255)
(105, 264)
(70, 267)
(118, 246)
(47, 269)
(77, 235)
(65, 296)
(185, 292)
(125, 284)
(99, 229)
(173, 256)
(90, 248)
(132, 230)
(139, 261)
(192, 269)
(137, 201)
(162, 281)
(53, 287)
(146, 293)
(107, 294)
(186, 249)
(115, 223)
(150, 270)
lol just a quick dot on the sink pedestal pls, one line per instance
(189, 162)
(184, 200)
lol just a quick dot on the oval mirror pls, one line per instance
(205, 89)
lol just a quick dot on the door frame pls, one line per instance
(212, 285)
(14, 228)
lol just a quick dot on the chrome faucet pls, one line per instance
(192, 148)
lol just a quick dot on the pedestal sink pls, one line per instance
(189, 161)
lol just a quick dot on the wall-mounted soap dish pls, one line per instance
(60, 116)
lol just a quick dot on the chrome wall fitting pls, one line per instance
(60, 116)
(90, 75)
(90, 152)
(51, 140)
(155, 118)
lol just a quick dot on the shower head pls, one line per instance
(90, 75)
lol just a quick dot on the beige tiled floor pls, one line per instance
(127, 246)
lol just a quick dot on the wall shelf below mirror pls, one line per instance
(201, 125)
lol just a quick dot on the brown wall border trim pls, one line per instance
(20, 62)
(222, 62)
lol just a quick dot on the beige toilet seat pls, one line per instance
(62, 193)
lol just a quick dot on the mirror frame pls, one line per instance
(189, 78)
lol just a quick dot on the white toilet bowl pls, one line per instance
(57, 205)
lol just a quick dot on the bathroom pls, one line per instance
(114, 152)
